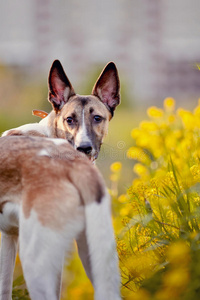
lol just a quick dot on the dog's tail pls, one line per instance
(102, 249)
(100, 239)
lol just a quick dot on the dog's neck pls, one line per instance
(47, 125)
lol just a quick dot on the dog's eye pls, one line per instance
(70, 120)
(97, 119)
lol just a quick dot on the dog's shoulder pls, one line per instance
(18, 132)
(33, 129)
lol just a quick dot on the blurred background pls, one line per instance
(155, 45)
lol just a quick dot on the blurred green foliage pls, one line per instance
(19, 292)
(19, 94)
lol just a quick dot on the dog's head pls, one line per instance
(83, 120)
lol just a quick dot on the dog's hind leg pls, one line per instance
(84, 254)
(102, 249)
(43, 247)
(42, 253)
(7, 263)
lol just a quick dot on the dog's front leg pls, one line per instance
(7, 263)
(83, 252)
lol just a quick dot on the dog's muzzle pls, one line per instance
(85, 148)
(88, 150)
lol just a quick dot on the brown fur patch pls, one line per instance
(14, 132)
(27, 133)
(52, 179)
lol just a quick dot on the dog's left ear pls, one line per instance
(107, 87)
(60, 88)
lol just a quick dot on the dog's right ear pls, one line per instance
(60, 88)
(107, 87)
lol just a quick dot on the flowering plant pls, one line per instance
(158, 240)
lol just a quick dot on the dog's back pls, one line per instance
(51, 193)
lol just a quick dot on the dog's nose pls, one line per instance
(85, 148)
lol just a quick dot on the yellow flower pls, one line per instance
(135, 133)
(154, 112)
(136, 182)
(140, 169)
(171, 118)
(116, 166)
(193, 234)
(169, 103)
(134, 153)
(179, 253)
(122, 198)
(197, 154)
(187, 117)
(144, 139)
(195, 170)
(124, 211)
(177, 278)
(170, 141)
(178, 134)
(141, 294)
(150, 126)
(138, 154)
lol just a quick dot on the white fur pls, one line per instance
(42, 251)
(43, 152)
(82, 136)
(45, 126)
(9, 227)
(102, 250)
(58, 141)
(7, 263)
(42, 127)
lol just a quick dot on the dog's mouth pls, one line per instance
(87, 149)
(91, 154)
(93, 158)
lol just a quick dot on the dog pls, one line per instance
(83, 122)
(51, 194)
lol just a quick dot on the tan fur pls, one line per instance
(62, 170)
(47, 177)
(27, 133)
(73, 106)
